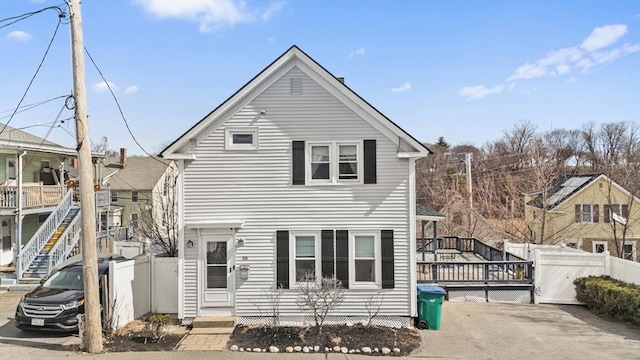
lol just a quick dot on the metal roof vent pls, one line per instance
(296, 86)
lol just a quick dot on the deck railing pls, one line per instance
(498, 267)
(476, 271)
(32, 196)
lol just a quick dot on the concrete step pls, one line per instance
(214, 322)
(211, 330)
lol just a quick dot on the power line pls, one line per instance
(119, 107)
(61, 16)
(34, 105)
(24, 16)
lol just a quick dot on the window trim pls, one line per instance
(334, 162)
(599, 242)
(137, 218)
(292, 254)
(137, 197)
(114, 196)
(43, 161)
(228, 138)
(377, 284)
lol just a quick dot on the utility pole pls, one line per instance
(93, 324)
(469, 185)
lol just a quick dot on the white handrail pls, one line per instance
(67, 241)
(31, 250)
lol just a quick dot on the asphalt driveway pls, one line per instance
(517, 331)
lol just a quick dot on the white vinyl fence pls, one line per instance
(140, 286)
(557, 266)
(625, 270)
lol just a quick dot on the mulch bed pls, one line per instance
(352, 337)
(142, 341)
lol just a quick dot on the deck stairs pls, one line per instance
(41, 266)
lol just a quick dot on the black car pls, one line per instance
(54, 305)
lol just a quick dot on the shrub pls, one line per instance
(159, 326)
(610, 297)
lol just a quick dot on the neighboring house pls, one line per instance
(37, 214)
(139, 189)
(294, 174)
(589, 212)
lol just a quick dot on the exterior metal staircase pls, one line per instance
(48, 257)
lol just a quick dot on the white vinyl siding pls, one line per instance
(257, 188)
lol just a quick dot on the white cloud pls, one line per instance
(404, 88)
(529, 91)
(19, 35)
(602, 37)
(563, 69)
(479, 91)
(571, 79)
(210, 14)
(271, 39)
(131, 89)
(584, 57)
(102, 86)
(359, 52)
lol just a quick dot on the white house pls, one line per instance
(295, 173)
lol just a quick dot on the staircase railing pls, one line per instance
(31, 250)
(67, 241)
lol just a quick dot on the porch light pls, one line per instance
(190, 244)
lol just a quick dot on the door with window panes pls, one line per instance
(217, 271)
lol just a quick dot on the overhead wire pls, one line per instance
(61, 16)
(126, 123)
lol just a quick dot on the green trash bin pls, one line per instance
(430, 299)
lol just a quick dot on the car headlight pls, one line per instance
(73, 305)
(22, 303)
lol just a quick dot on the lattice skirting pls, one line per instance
(301, 320)
(499, 296)
(187, 321)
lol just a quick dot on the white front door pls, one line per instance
(217, 272)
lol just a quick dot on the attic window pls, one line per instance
(241, 138)
(296, 86)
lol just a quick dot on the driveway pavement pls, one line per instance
(469, 331)
(519, 331)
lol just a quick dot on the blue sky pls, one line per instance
(465, 70)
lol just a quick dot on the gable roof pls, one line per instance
(571, 186)
(348, 97)
(15, 138)
(139, 173)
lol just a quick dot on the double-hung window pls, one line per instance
(587, 213)
(616, 213)
(306, 256)
(629, 251)
(334, 162)
(365, 260)
(134, 197)
(599, 247)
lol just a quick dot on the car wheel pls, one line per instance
(422, 325)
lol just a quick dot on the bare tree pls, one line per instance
(158, 222)
(319, 297)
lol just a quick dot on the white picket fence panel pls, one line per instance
(141, 286)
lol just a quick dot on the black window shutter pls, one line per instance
(606, 213)
(370, 172)
(386, 238)
(625, 211)
(342, 257)
(596, 213)
(282, 259)
(298, 162)
(327, 253)
(578, 213)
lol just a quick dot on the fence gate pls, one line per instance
(555, 272)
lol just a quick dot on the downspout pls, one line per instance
(18, 243)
